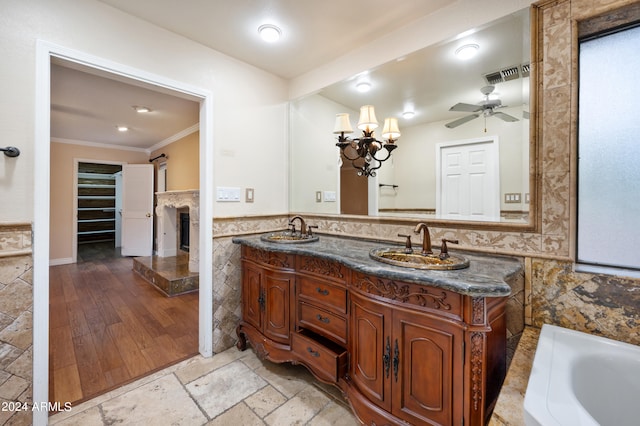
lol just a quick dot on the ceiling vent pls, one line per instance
(505, 74)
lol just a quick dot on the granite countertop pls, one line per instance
(486, 276)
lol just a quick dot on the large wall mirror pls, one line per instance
(464, 149)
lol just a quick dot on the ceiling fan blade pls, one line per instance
(466, 107)
(505, 117)
(462, 120)
(525, 115)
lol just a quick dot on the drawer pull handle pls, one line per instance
(325, 320)
(323, 292)
(312, 352)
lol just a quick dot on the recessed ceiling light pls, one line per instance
(467, 51)
(122, 128)
(407, 115)
(363, 87)
(141, 109)
(269, 33)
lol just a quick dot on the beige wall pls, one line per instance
(183, 166)
(62, 216)
(93, 28)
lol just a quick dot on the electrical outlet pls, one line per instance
(512, 197)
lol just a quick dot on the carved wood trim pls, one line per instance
(321, 267)
(392, 290)
(477, 350)
(477, 310)
(279, 260)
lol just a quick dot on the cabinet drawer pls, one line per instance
(322, 322)
(322, 293)
(327, 362)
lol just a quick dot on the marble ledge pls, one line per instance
(509, 410)
(487, 276)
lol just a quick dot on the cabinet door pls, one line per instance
(370, 367)
(277, 313)
(428, 387)
(252, 295)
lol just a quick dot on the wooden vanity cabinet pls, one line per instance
(402, 353)
(267, 295)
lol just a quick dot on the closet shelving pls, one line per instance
(96, 213)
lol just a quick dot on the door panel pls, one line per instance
(251, 288)
(370, 342)
(425, 389)
(468, 180)
(137, 210)
(277, 321)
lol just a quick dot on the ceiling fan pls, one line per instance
(487, 108)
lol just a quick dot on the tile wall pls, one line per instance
(16, 320)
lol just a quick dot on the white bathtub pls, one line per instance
(580, 379)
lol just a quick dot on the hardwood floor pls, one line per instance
(107, 326)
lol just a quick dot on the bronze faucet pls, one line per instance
(303, 226)
(426, 238)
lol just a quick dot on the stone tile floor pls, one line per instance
(230, 388)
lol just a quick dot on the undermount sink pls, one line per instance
(398, 257)
(288, 237)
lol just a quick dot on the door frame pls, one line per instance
(493, 142)
(45, 52)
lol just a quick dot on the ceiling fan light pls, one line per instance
(269, 33)
(408, 115)
(467, 51)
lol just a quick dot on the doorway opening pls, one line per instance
(46, 52)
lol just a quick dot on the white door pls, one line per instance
(468, 178)
(137, 209)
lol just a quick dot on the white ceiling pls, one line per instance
(314, 33)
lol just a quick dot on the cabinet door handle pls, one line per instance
(323, 292)
(312, 352)
(325, 320)
(261, 300)
(396, 360)
(386, 357)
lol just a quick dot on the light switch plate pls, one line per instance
(226, 194)
(248, 195)
(329, 196)
(318, 196)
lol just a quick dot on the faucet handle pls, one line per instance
(310, 232)
(292, 227)
(444, 251)
(407, 245)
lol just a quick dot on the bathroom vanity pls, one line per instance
(405, 346)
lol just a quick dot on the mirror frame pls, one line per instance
(535, 167)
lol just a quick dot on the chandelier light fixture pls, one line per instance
(364, 152)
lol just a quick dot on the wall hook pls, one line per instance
(10, 151)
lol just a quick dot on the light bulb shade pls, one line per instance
(343, 125)
(390, 129)
(368, 119)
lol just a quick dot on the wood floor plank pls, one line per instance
(61, 350)
(108, 326)
(77, 321)
(65, 385)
